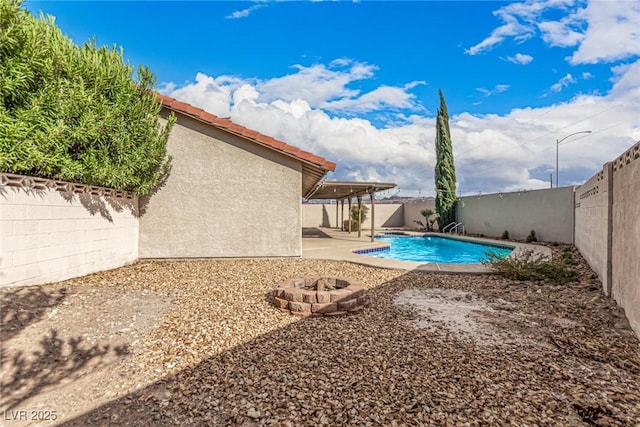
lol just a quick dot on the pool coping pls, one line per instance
(339, 245)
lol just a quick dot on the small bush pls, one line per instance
(530, 266)
(532, 236)
(554, 243)
(345, 225)
(505, 235)
(567, 257)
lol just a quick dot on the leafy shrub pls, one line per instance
(355, 224)
(505, 235)
(75, 113)
(428, 223)
(530, 266)
(567, 256)
(532, 236)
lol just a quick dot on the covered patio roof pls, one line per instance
(341, 190)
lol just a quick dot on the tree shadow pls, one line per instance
(20, 307)
(119, 204)
(27, 375)
(28, 372)
(93, 205)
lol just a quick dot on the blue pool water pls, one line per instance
(434, 249)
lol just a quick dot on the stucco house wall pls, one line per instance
(225, 197)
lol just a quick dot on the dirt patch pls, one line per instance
(63, 344)
(468, 315)
(455, 310)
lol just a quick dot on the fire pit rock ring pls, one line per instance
(320, 296)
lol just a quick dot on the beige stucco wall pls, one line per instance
(625, 251)
(592, 224)
(412, 212)
(47, 236)
(225, 197)
(324, 215)
(549, 212)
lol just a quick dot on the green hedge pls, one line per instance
(75, 113)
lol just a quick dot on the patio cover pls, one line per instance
(340, 190)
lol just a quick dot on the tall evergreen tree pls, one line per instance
(445, 173)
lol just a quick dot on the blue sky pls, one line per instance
(357, 82)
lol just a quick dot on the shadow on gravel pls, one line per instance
(51, 360)
(376, 368)
(20, 307)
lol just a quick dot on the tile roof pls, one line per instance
(251, 135)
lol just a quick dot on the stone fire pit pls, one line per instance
(320, 296)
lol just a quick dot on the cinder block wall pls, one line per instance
(412, 213)
(549, 212)
(324, 215)
(625, 248)
(607, 212)
(593, 224)
(58, 230)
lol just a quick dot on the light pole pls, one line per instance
(558, 145)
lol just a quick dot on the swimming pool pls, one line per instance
(434, 249)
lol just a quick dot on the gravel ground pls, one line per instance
(198, 342)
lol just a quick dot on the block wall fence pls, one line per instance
(607, 227)
(548, 211)
(324, 215)
(54, 230)
(391, 215)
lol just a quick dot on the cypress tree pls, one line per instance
(445, 173)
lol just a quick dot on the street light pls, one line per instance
(558, 144)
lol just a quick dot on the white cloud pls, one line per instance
(603, 31)
(612, 32)
(563, 82)
(379, 98)
(626, 80)
(510, 29)
(244, 12)
(520, 58)
(495, 90)
(519, 23)
(565, 32)
(317, 84)
(492, 152)
(213, 95)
